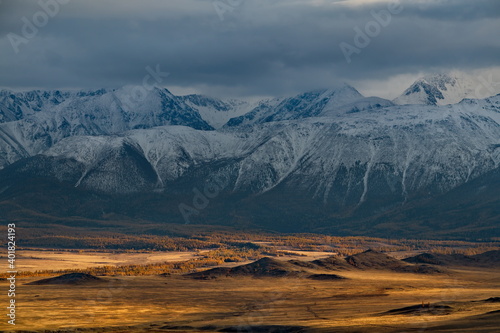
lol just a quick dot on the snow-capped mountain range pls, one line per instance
(338, 153)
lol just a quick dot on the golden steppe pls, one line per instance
(176, 303)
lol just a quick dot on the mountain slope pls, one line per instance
(331, 161)
(95, 113)
(217, 112)
(443, 89)
(356, 170)
(316, 103)
(17, 105)
(454, 146)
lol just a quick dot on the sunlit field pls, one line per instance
(448, 299)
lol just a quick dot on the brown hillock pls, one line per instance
(332, 263)
(69, 279)
(303, 264)
(269, 267)
(443, 259)
(422, 309)
(491, 258)
(486, 259)
(325, 277)
(210, 274)
(492, 300)
(372, 259)
(265, 267)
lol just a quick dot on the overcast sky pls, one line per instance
(245, 48)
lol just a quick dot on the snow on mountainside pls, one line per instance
(34, 121)
(215, 111)
(158, 107)
(281, 141)
(45, 121)
(311, 104)
(169, 151)
(442, 89)
(18, 105)
(408, 147)
(318, 156)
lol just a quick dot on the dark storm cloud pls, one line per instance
(259, 48)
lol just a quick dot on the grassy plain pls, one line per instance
(176, 303)
(123, 301)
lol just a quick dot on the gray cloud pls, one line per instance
(260, 48)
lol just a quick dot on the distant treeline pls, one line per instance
(215, 240)
(206, 259)
(222, 247)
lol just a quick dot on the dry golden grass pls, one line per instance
(33, 260)
(154, 303)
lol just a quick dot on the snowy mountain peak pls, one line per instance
(442, 80)
(341, 96)
(140, 94)
(443, 89)
(346, 88)
(315, 103)
(342, 92)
